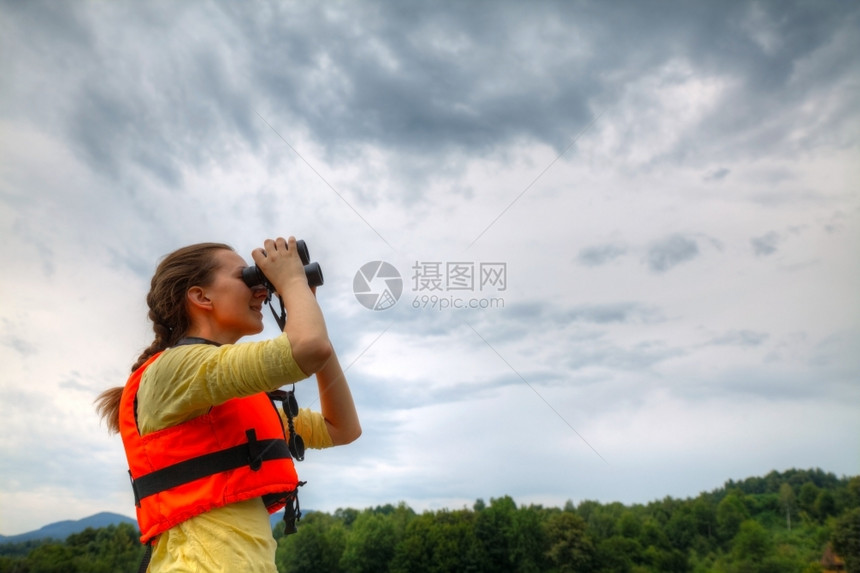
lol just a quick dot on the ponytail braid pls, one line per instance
(182, 269)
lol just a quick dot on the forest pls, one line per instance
(800, 521)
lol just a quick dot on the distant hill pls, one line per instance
(62, 529)
(276, 518)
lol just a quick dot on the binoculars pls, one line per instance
(253, 276)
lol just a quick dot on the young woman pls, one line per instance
(208, 452)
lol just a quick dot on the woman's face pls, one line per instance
(236, 308)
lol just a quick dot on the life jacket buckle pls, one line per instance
(255, 450)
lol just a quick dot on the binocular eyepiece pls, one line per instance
(253, 276)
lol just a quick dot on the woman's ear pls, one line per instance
(197, 298)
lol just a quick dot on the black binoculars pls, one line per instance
(253, 276)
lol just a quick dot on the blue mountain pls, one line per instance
(62, 529)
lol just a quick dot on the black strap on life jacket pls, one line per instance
(147, 557)
(252, 454)
(188, 340)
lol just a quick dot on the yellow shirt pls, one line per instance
(183, 383)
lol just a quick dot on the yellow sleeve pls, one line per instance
(185, 381)
(312, 428)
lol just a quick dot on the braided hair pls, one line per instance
(194, 265)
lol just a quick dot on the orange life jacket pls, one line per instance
(237, 451)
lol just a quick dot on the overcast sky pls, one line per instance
(652, 206)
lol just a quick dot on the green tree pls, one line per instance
(629, 525)
(618, 554)
(369, 545)
(346, 516)
(682, 527)
(570, 549)
(494, 528)
(103, 550)
(414, 552)
(853, 491)
(51, 558)
(731, 512)
(527, 543)
(806, 497)
(786, 501)
(846, 539)
(316, 547)
(653, 534)
(667, 561)
(401, 516)
(444, 542)
(704, 515)
(825, 504)
(752, 542)
(601, 519)
(115, 548)
(10, 564)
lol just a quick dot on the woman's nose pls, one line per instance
(259, 291)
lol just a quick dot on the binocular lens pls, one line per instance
(302, 248)
(253, 276)
(297, 447)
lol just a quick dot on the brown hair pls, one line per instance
(194, 265)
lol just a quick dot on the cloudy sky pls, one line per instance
(649, 212)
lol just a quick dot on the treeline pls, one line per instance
(783, 522)
(111, 549)
(780, 523)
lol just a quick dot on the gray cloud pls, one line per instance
(740, 338)
(600, 254)
(718, 174)
(539, 315)
(837, 353)
(393, 395)
(441, 78)
(766, 244)
(623, 312)
(19, 345)
(638, 357)
(670, 252)
(75, 381)
(10, 337)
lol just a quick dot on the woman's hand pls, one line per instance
(280, 261)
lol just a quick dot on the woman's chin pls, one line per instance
(253, 327)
